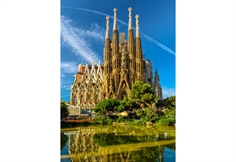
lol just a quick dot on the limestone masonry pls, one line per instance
(124, 64)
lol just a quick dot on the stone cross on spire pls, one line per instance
(114, 25)
(130, 18)
(137, 26)
(107, 25)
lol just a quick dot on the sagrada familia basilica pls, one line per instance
(124, 63)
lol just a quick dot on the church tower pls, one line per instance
(122, 71)
(115, 58)
(131, 50)
(124, 64)
(139, 55)
(123, 61)
(107, 60)
(157, 86)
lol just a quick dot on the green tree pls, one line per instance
(132, 104)
(171, 102)
(168, 118)
(142, 94)
(168, 103)
(64, 110)
(123, 105)
(150, 115)
(141, 97)
(104, 106)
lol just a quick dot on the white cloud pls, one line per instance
(77, 38)
(97, 32)
(67, 87)
(168, 92)
(124, 23)
(68, 67)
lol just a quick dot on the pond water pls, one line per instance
(118, 144)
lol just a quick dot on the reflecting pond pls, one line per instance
(118, 144)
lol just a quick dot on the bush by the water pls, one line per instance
(168, 118)
(141, 106)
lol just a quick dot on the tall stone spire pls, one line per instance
(115, 42)
(130, 18)
(107, 57)
(139, 55)
(115, 59)
(156, 79)
(137, 26)
(114, 24)
(157, 86)
(131, 50)
(107, 28)
(107, 41)
(107, 48)
(138, 43)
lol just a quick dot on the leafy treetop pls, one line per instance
(142, 94)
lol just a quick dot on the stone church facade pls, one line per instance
(124, 64)
(86, 91)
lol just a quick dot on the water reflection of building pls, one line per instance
(83, 147)
(81, 144)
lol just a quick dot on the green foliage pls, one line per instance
(132, 104)
(150, 115)
(159, 112)
(164, 121)
(147, 114)
(168, 118)
(139, 122)
(64, 110)
(142, 94)
(141, 100)
(106, 105)
(121, 119)
(168, 103)
(139, 112)
(109, 121)
(123, 105)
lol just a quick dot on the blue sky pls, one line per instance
(83, 26)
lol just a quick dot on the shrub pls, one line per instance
(139, 122)
(109, 121)
(168, 119)
(120, 119)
